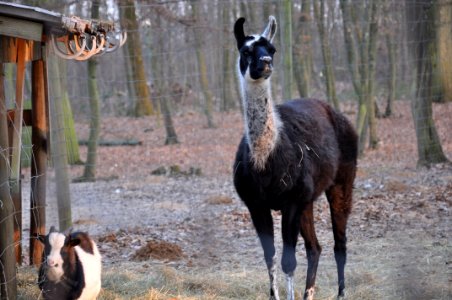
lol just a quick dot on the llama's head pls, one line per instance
(256, 51)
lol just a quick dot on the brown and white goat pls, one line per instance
(71, 266)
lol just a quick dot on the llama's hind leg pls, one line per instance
(263, 223)
(340, 199)
(313, 249)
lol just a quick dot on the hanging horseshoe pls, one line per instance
(69, 54)
(87, 54)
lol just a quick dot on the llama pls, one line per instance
(71, 266)
(288, 156)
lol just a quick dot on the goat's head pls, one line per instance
(58, 250)
(256, 51)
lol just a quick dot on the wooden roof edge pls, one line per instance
(50, 19)
(54, 23)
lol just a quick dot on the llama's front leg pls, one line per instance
(263, 222)
(313, 249)
(274, 294)
(290, 231)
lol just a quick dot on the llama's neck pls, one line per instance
(262, 123)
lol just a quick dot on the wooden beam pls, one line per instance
(16, 145)
(8, 284)
(39, 141)
(26, 117)
(9, 49)
(20, 28)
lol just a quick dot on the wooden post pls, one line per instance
(59, 152)
(15, 181)
(8, 286)
(39, 136)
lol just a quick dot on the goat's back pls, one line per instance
(92, 268)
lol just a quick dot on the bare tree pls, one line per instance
(444, 41)
(303, 50)
(228, 99)
(322, 27)
(129, 22)
(89, 173)
(286, 49)
(421, 15)
(159, 72)
(360, 37)
(203, 77)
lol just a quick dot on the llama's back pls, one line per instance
(317, 114)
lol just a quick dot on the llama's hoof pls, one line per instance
(341, 295)
(273, 297)
(309, 294)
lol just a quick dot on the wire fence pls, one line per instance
(183, 194)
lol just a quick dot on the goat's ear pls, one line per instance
(270, 30)
(239, 33)
(73, 241)
(68, 231)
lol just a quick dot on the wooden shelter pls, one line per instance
(26, 34)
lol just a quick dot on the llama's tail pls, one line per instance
(347, 137)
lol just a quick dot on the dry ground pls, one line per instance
(188, 236)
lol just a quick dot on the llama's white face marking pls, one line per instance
(54, 259)
(256, 58)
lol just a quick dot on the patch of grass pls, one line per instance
(402, 265)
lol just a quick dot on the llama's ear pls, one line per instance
(239, 33)
(41, 238)
(270, 30)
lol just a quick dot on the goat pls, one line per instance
(71, 266)
(288, 156)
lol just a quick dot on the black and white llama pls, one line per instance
(71, 266)
(288, 156)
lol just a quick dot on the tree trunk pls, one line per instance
(286, 47)
(203, 77)
(59, 153)
(229, 101)
(360, 41)
(371, 103)
(89, 173)
(72, 148)
(162, 46)
(390, 45)
(303, 51)
(444, 33)
(143, 104)
(319, 13)
(8, 284)
(421, 17)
